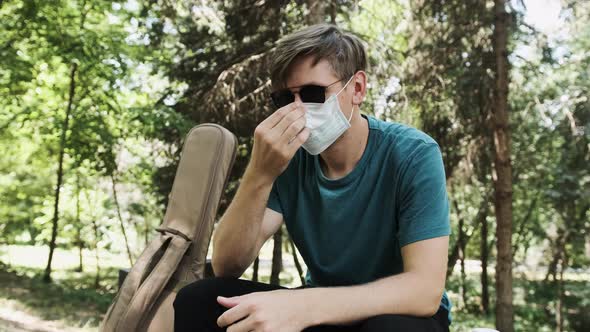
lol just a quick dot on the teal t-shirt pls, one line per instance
(350, 230)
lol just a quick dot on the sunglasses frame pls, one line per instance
(275, 94)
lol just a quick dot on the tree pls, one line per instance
(453, 52)
(79, 53)
(503, 169)
(60, 172)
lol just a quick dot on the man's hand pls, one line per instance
(276, 139)
(280, 310)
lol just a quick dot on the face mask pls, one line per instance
(326, 123)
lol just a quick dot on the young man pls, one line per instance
(364, 200)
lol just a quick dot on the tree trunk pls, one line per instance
(503, 168)
(60, 168)
(463, 237)
(296, 261)
(113, 182)
(255, 269)
(97, 277)
(456, 251)
(463, 277)
(80, 253)
(95, 244)
(286, 247)
(317, 11)
(558, 253)
(146, 234)
(79, 241)
(333, 12)
(560, 294)
(461, 245)
(453, 256)
(277, 257)
(484, 254)
(522, 226)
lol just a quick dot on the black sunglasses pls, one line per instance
(308, 93)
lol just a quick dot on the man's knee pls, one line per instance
(200, 292)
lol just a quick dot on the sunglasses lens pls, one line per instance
(282, 98)
(308, 94)
(313, 94)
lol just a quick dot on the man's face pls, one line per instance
(303, 72)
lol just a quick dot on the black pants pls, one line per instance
(196, 309)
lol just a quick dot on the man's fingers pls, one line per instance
(298, 140)
(278, 115)
(287, 120)
(228, 302)
(293, 129)
(245, 325)
(232, 315)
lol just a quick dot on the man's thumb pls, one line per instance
(228, 302)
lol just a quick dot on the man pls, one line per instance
(364, 200)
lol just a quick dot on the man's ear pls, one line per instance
(360, 87)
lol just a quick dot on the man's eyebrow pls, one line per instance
(308, 83)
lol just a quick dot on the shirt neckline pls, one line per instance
(358, 168)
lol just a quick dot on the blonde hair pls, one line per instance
(342, 49)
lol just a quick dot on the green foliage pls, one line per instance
(147, 71)
(114, 116)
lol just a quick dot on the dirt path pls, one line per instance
(8, 326)
(17, 321)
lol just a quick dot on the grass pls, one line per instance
(70, 299)
(534, 304)
(73, 300)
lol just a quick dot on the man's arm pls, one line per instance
(247, 223)
(417, 291)
(243, 229)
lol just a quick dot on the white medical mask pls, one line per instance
(326, 123)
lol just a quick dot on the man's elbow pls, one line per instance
(431, 309)
(425, 309)
(426, 300)
(223, 268)
(431, 303)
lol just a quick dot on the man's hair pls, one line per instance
(342, 49)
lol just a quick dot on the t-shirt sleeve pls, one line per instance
(424, 207)
(274, 202)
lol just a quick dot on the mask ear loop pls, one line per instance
(351, 113)
(344, 87)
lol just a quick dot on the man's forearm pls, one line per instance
(406, 293)
(238, 230)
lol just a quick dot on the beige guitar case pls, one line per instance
(177, 254)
